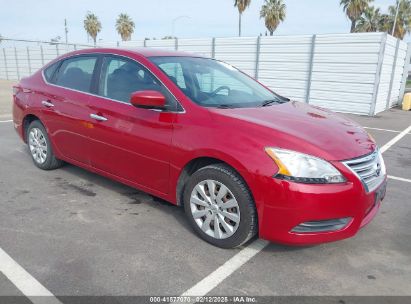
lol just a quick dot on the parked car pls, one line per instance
(201, 134)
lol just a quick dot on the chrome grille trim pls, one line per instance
(322, 226)
(370, 169)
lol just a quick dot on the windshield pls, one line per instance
(211, 83)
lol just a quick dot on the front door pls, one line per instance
(129, 142)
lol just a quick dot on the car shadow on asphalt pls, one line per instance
(132, 195)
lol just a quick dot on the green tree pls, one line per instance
(370, 20)
(273, 12)
(354, 9)
(403, 22)
(241, 6)
(92, 26)
(125, 26)
(386, 23)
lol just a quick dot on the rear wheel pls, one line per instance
(220, 207)
(40, 147)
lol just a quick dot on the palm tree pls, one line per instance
(125, 26)
(273, 12)
(386, 23)
(403, 22)
(370, 21)
(92, 26)
(354, 9)
(242, 6)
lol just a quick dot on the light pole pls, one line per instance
(174, 22)
(396, 16)
(66, 30)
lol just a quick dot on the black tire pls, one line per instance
(50, 162)
(224, 174)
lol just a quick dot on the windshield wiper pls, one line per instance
(267, 103)
(225, 106)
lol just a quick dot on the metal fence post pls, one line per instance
(145, 42)
(381, 56)
(310, 69)
(176, 44)
(75, 47)
(17, 63)
(5, 64)
(257, 57)
(213, 48)
(28, 59)
(57, 50)
(394, 66)
(405, 73)
(42, 55)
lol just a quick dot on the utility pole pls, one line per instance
(66, 30)
(396, 16)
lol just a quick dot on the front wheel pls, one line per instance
(220, 207)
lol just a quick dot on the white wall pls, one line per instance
(284, 64)
(353, 73)
(344, 72)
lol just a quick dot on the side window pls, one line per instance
(76, 73)
(175, 72)
(120, 77)
(215, 79)
(49, 72)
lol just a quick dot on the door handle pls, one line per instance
(98, 117)
(47, 104)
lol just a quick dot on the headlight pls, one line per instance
(304, 168)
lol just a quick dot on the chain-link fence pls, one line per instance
(21, 58)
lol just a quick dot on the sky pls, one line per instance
(44, 19)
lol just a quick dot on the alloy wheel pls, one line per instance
(215, 209)
(38, 145)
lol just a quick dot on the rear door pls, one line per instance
(65, 106)
(129, 142)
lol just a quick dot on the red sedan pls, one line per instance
(199, 133)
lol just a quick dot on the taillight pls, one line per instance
(16, 89)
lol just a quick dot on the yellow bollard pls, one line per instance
(406, 103)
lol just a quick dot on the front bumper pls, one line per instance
(287, 205)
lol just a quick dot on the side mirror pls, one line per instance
(148, 100)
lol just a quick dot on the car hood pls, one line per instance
(304, 128)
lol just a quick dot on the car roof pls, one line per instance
(151, 52)
(145, 52)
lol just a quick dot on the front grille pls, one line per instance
(370, 169)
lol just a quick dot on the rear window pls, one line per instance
(76, 73)
(49, 72)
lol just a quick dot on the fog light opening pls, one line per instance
(322, 226)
